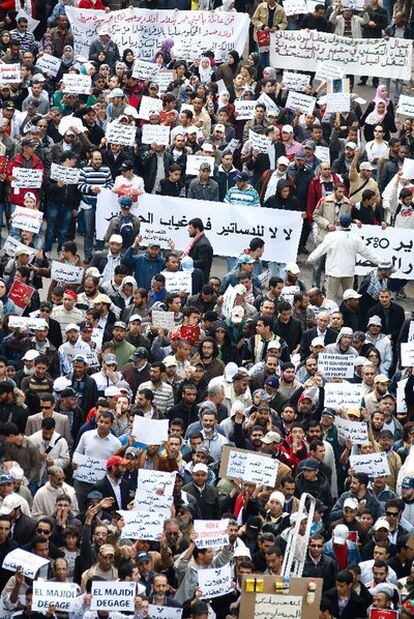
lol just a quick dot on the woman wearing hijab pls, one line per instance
(205, 70)
(229, 69)
(128, 58)
(5, 40)
(380, 95)
(380, 115)
(166, 47)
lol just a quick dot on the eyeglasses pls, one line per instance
(46, 408)
(393, 514)
(316, 545)
(43, 531)
(46, 310)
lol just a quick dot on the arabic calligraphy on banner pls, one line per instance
(229, 228)
(295, 49)
(144, 30)
(389, 244)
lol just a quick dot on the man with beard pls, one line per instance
(112, 485)
(208, 351)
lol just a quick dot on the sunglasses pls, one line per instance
(316, 545)
(393, 514)
(43, 531)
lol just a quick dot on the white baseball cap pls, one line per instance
(350, 293)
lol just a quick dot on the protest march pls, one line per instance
(206, 309)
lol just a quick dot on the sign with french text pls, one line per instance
(58, 594)
(336, 365)
(211, 533)
(114, 596)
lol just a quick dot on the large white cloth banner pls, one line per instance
(144, 30)
(299, 49)
(389, 244)
(229, 228)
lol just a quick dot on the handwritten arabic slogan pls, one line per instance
(294, 49)
(144, 30)
(215, 582)
(374, 465)
(388, 244)
(283, 606)
(229, 228)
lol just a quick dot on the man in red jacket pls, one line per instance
(320, 186)
(26, 159)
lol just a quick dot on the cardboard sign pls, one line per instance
(295, 7)
(343, 395)
(49, 64)
(245, 109)
(22, 322)
(164, 79)
(164, 612)
(288, 606)
(11, 245)
(142, 525)
(328, 71)
(20, 294)
(143, 70)
(374, 465)
(150, 431)
(28, 562)
(401, 401)
(405, 106)
(27, 219)
(163, 320)
(113, 595)
(10, 73)
(59, 594)
(118, 133)
(90, 470)
(67, 176)
(148, 105)
(66, 273)
(211, 533)
(407, 354)
(336, 365)
(354, 431)
(180, 281)
(156, 134)
(297, 100)
(27, 178)
(295, 81)
(154, 492)
(322, 153)
(215, 582)
(76, 84)
(248, 465)
(288, 293)
(194, 162)
(259, 141)
(407, 171)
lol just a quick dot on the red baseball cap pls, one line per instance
(115, 460)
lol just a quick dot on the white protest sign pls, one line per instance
(407, 354)
(76, 84)
(27, 178)
(148, 105)
(180, 281)
(391, 244)
(354, 431)
(67, 273)
(355, 5)
(119, 133)
(229, 298)
(264, 278)
(336, 365)
(245, 109)
(268, 102)
(211, 533)
(64, 174)
(164, 78)
(11, 244)
(374, 465)
(322, 153)
(305, 103)
(343, 395)
(28, 562)
(250, 466)
(259, 141)
(163, 320)
(299, 49)
(164, 612)
(407, 171)
(32, 324)
(142, 30)
(107, 207)
(70, 121)
(49, 64)
(194, 162)
(113, 595)
(150, 431)
(10, 73)
(154, 491)
(295, 7)
(156, 134)
(229, 228)
(142, 525)
(284, 606)
(27, 219)
(89, 470)
(328, 71)
(338, 102)
(215, 582)
(145, 70)
(59, 594)
(295, 81)
(405, 106)
(288, 293)
(401, 401)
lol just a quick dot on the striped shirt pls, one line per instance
(90, 177)
(242, 197)
(163, 395)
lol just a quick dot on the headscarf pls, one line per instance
(379, 97)
(374, 117)
(205, 72)
(128, 64)
(227, 4)
(256, 68)
(166, 47)
(4, 46)
(68, 61)
(235, 66)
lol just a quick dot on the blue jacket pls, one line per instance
(144, 268)
(353, 552)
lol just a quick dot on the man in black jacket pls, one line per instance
(205, 494)
(318, 565)
(200, 249)
(350, 311)
(6, 546)
(10, 411)
(392, 315)
(83, 384)
(321, 330)
(186, 409)
(112, 485)
(344, 602)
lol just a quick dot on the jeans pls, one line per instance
(89, 218)
(58, 222)
(317, 271)
(388, 6)
(398, 87)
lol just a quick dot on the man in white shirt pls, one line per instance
(53, 448)
(44, 503)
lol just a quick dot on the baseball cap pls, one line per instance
(72, 327)
(277, 496)
(116, 92)
(271, 437)
(125, 202)
(202, 449)
(102, 298)
(106, 549)
(21, 251)
(350, 293)
(139, 353)
(5, 479)
(407, 483)
(16, 472)
(329, 412)
(116, 238)
(242, 551)
(365, 165)
(115, 461)
(309, 464)
(112, 391)
(200, 467)
(381, 378)
(340, 534)
(207, 148)
(381, 523)
(345, 220)
(310, 144)
(30, 355)
(120, 324)
(127, 166)
(110, 359)
(142, 556)
(351, 145)
(375, 320)
(351, 503)
(317, 341)
(169, 361)
(272, 381)
(10, 503)
(282, 160)
(61, 383)
(94, 494)
(135, 317)
(241, 177)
